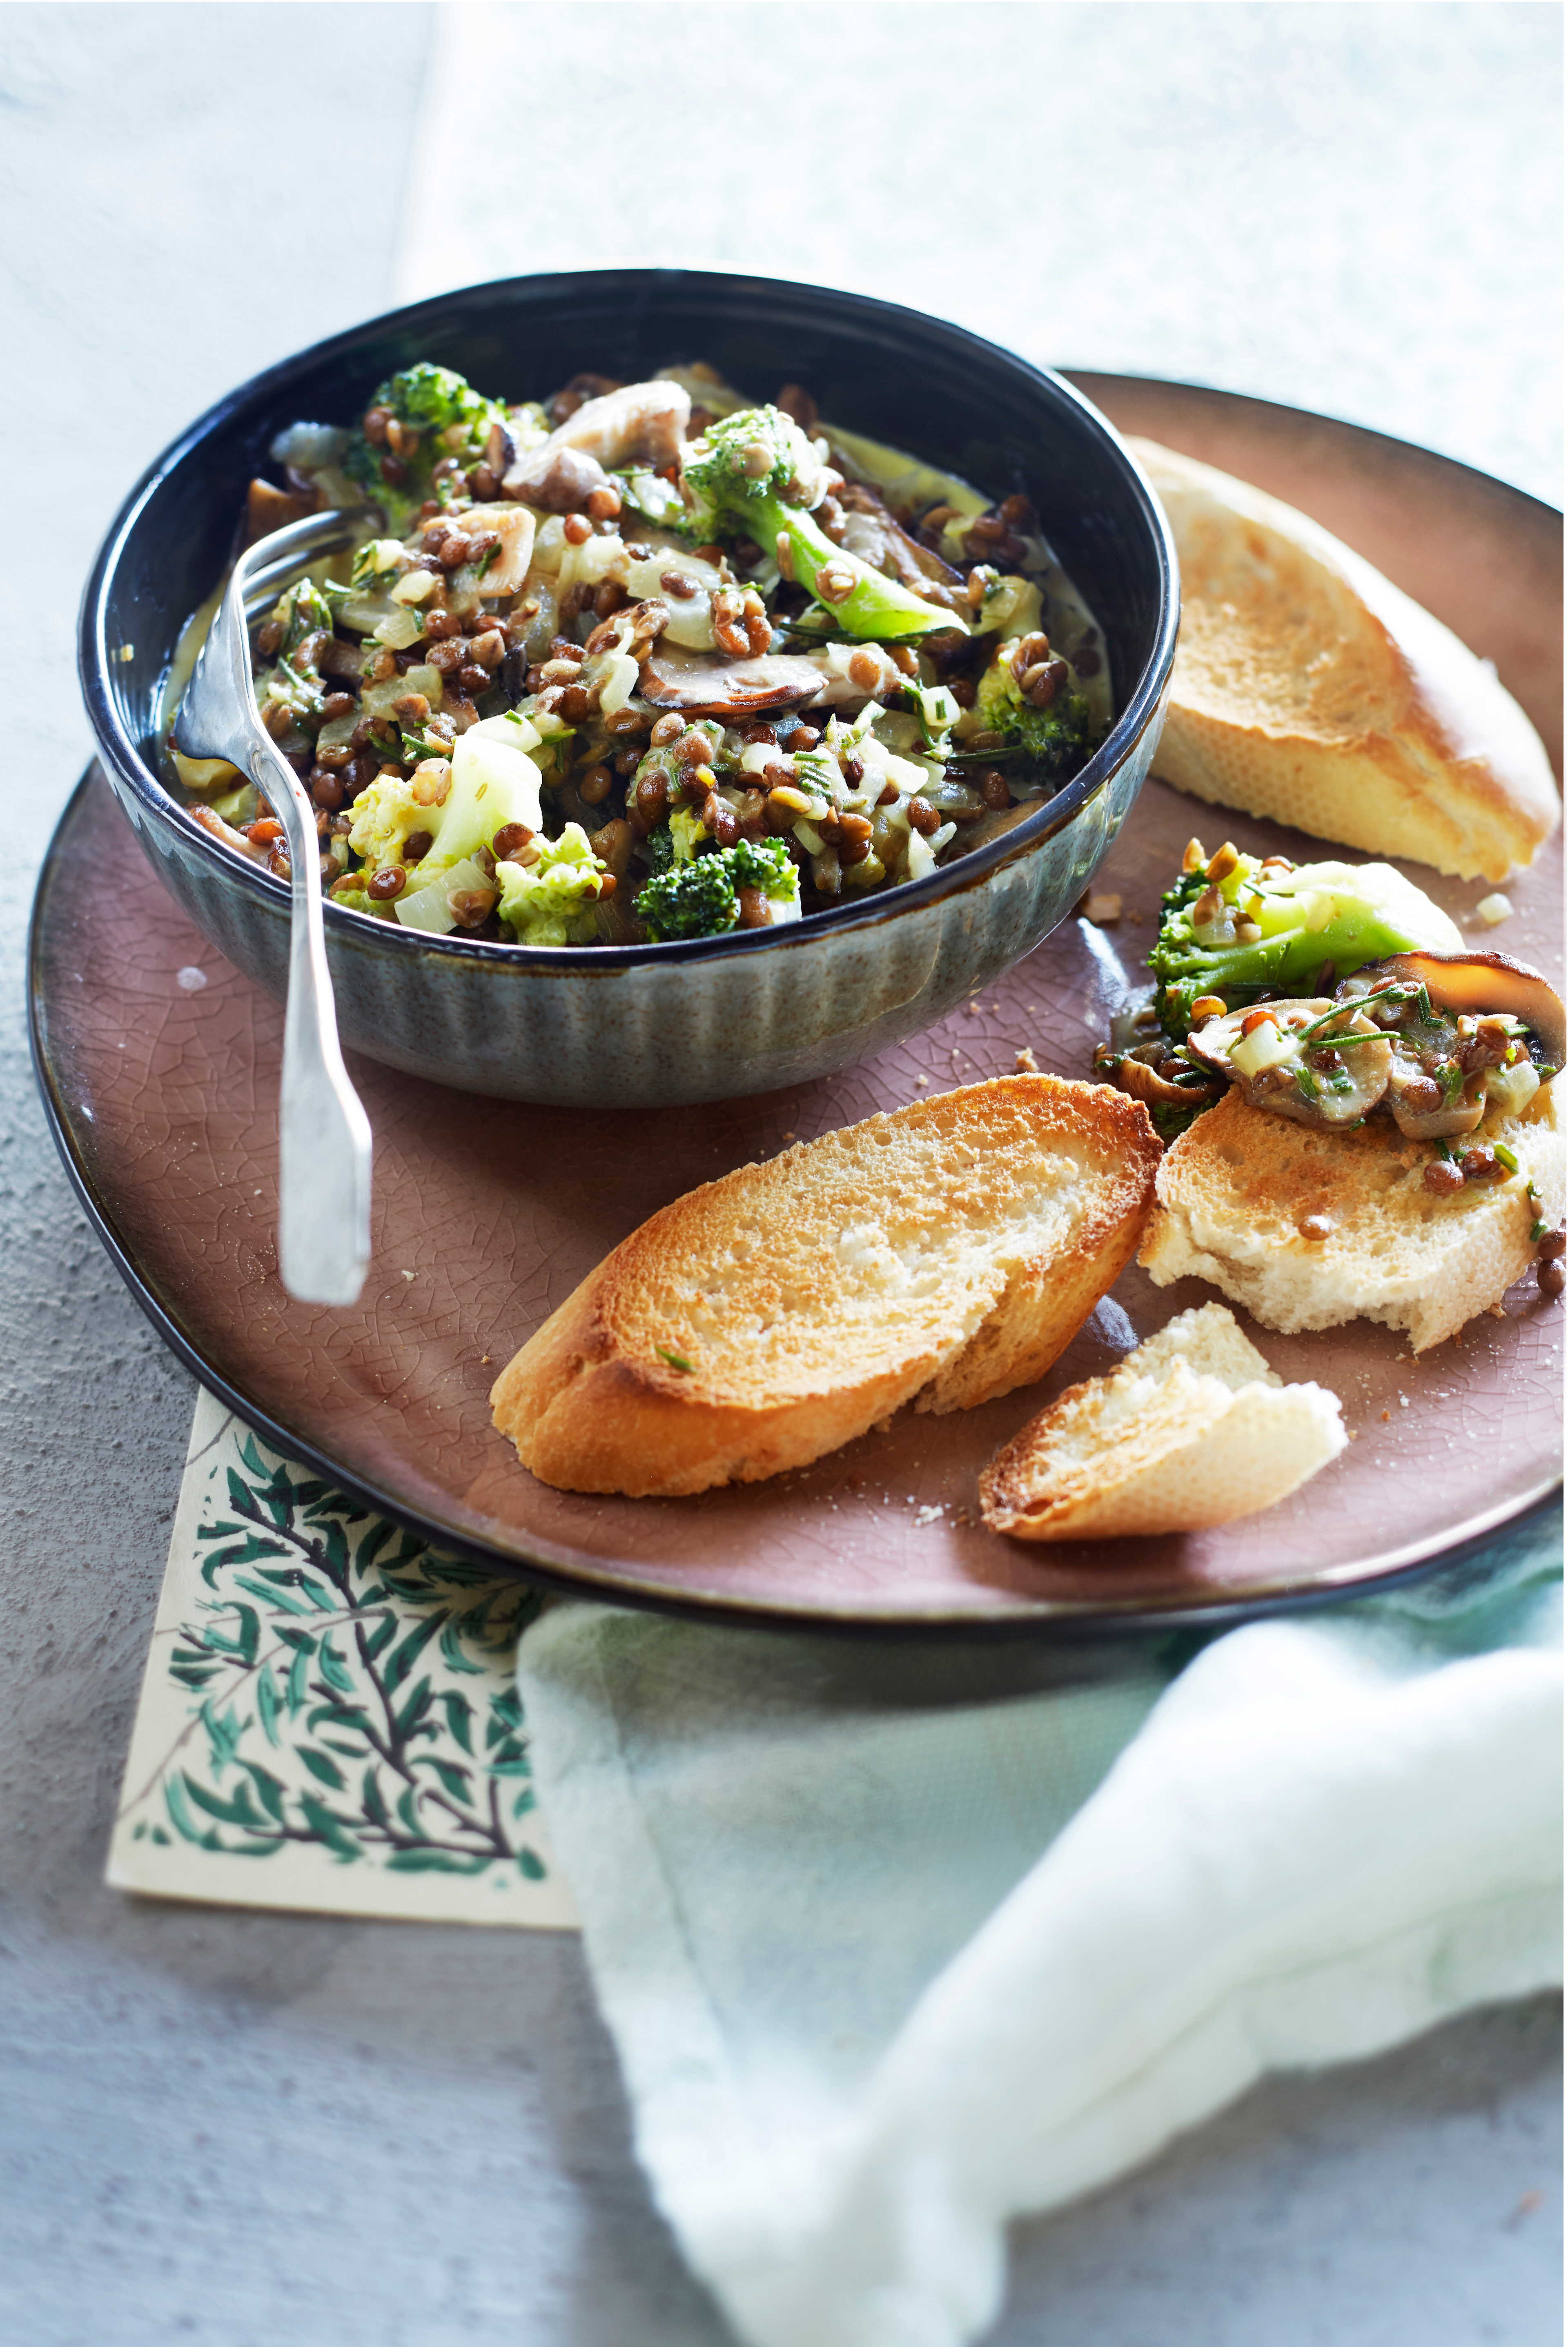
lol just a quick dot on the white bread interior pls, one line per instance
(1310, 690)
(944, 1253)
(1191, 1431)
(1235, 1189)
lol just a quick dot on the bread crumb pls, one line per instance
(1025, 1062)
(408, 1274)
(927, 1515)
(922, 1080)
(1494, 908)
(974, 1008)
(1103, 908)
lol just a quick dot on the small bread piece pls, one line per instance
(1237, 1186)
(1194, 1428)
(947, 1251)
(1309, 689)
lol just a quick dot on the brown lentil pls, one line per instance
(1552, 1246)
(326, 789)
(388, 882)
(508, 839)
(577, 529)
(923, 815)
(994, 789)
(1315, 1227)
(653, 798)
(604, 505)
(595, 786)
(1550, 1279)
(1442, 1177)
(417, 846)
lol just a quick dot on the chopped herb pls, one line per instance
(676, 1360)
(1537, 1232)
(1505, 1156)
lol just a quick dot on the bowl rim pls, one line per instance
(1054, 815)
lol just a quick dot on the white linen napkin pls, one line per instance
(896, 1942)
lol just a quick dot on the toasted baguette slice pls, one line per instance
(1309, 689)
(1235, 1188)
(947, 1251)
(1193, 1429)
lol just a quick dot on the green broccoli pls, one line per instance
(550, 901)
(1257, 931)
(1056, 740)
(699, 896)
(445, 417)
(752, 474)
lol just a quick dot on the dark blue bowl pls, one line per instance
(718, 1017)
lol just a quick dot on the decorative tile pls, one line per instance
(330, 1717)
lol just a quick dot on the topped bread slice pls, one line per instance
(941, 1253)
(1311, 689)
(1309, 1228)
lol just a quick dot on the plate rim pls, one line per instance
(1026, 1617)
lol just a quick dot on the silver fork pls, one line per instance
(324, 1133)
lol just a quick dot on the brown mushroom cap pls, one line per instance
(1482, 982)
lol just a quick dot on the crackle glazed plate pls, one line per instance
(159, 1063)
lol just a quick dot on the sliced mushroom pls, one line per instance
(1286, 1084)
(514, 526)
(1482, 982)
(1147, 1084)
(1421, 1107)
(871, 532)
(556, 479)
(675, 678)
(643, 423)
(1212, 1041)
(839, 676)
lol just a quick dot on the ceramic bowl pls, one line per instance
(714, 1017)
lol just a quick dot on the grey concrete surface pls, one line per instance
(247, 2128)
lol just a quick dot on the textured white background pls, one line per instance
(1356, 209)
(238, 2128)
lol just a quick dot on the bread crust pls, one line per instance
(1197, 1453)
(963, 1187)
(1401, 742)
(1235, 1188)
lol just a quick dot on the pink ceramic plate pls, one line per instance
(159, 1067)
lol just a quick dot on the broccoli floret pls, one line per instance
(491, 782)
(754, 474)
(699, 897)
(448, 417)
(1275, 932)
(549, 902)
(1056, 740)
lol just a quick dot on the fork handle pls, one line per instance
(324, 1133)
